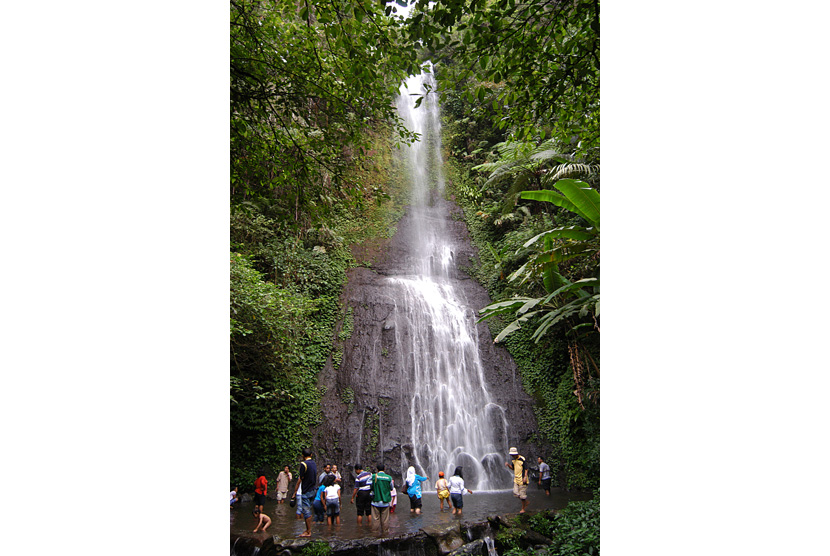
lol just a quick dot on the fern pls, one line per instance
(569, 170)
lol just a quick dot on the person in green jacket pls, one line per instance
(382, 485)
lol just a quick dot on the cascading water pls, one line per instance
(454, 420)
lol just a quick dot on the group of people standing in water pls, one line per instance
(318, 497)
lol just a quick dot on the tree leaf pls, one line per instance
(583, 196)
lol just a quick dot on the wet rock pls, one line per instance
(244, 546)
(448, 539)
(535, 539)
(372, 364)
(478, 547)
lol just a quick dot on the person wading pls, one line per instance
(519, 467)
(308, 480)
(382, 491)
(363, 491)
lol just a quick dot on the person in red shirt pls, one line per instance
(260, 491)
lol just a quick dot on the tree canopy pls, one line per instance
(307, 82)
(535, 62)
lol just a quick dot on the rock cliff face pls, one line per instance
(366, 406)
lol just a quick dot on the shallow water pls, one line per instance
(477, 507)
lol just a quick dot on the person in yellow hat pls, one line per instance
(518, 465)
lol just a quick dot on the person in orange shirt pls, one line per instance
(260, 491)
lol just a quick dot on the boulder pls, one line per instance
(244, 546)
(477, 548)
(533, 538)
(447, 538)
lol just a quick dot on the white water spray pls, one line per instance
(454, 421)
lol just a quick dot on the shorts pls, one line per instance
(364, 502)
(319, 512)
(520, 491)
(305, 503)
(457, 500)
(333, 507)
(259, 499)
(443, 494)
(546, 484)
(282, 495)
(415, 502)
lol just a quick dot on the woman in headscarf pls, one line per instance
(413, 489)
(457, 490)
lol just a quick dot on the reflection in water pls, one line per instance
(477, 507)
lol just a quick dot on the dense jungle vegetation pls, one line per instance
(313, 129)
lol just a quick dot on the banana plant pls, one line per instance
(564, 299)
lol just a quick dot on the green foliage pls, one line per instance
(348, 326)
(508, 538)
(285, 289)
(305, 85)
(347, 397)
(545, 365)
(372, 424)
(558, 245)
(317, 548)
(574, 530)
(576, 434)
(534, 64)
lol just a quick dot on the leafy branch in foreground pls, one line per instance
(565, 299)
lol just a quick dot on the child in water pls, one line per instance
(262, 520)
(331, 499)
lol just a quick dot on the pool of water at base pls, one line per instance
(477, 507)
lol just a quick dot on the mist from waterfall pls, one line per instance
(454, 421)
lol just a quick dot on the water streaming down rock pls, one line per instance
(420, 383)
(454, 420)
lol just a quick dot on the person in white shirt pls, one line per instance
(331, 500)
(544, 476)
(283, 482)
(457, 490)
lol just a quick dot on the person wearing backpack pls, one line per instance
(307, 484)
(382, 485)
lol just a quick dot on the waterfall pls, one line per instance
(454, 420)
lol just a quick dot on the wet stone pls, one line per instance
(477, 547)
